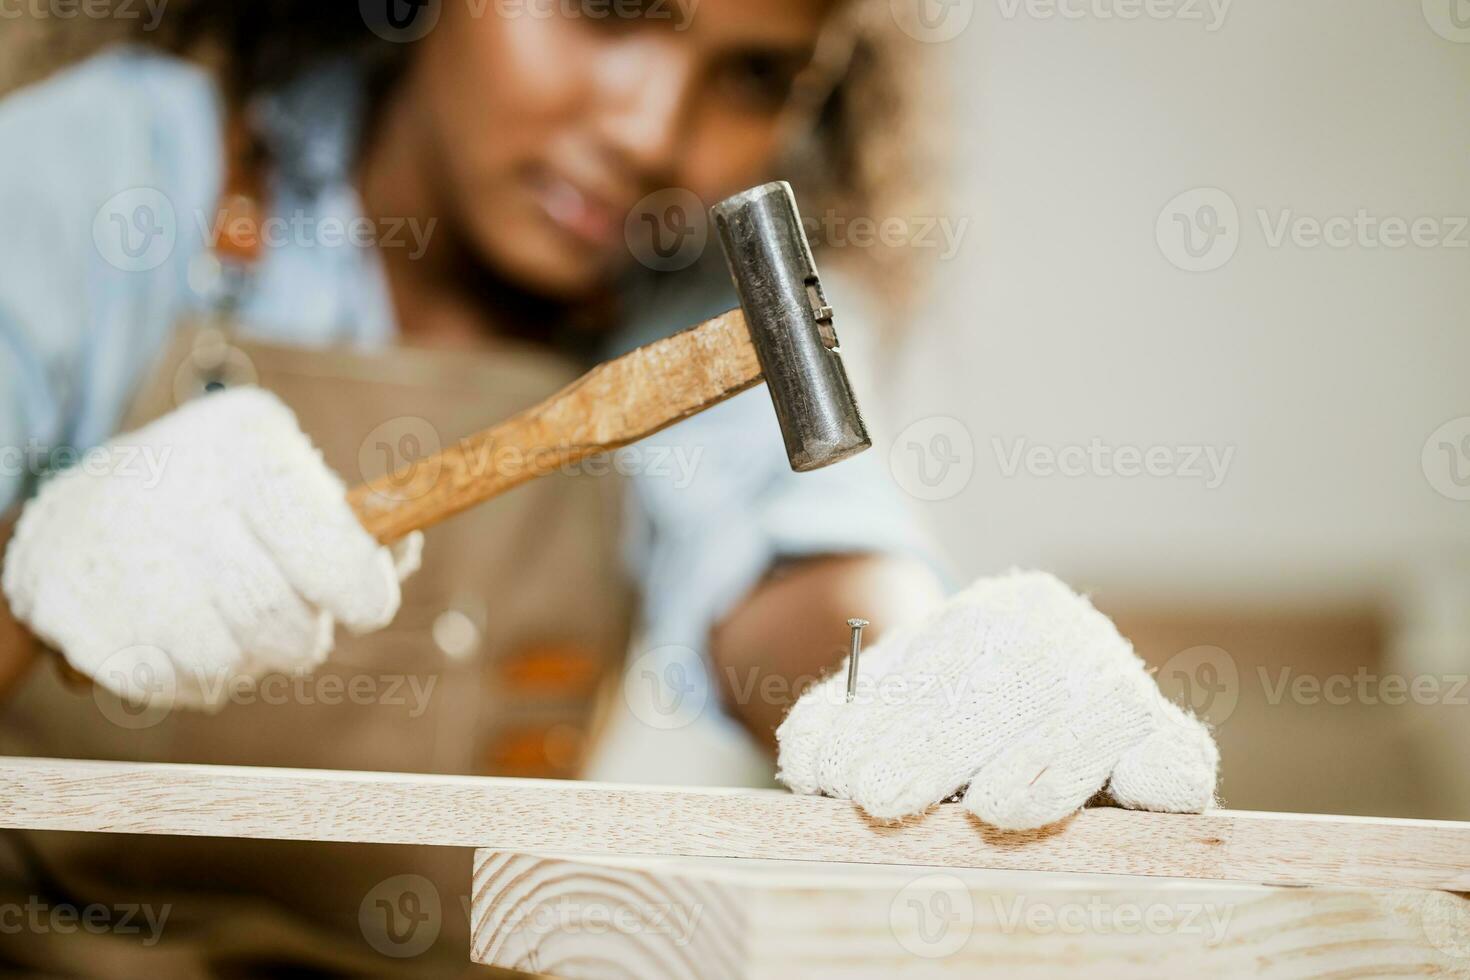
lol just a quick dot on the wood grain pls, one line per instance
(677, 919)
(614, 405)
(595, 819)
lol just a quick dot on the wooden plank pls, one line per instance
(677, 919)
(589, 818)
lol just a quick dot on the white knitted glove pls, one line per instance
(231, 560)
(1016, 688)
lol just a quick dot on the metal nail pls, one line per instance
(852, 661)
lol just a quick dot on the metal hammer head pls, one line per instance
(790, 326)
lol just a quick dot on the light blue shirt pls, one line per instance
(130, 142)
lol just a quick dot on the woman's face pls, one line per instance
(546, 122)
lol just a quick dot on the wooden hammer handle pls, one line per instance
(613, 405)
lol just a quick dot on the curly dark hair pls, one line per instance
(876, 151)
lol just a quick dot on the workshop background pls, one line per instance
(1197, 342)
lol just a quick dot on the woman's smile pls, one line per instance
(589, 220)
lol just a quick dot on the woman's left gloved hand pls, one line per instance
(1018, 689)
(237, 558)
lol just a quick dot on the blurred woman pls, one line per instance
(284, 246)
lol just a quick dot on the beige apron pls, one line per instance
(518, 619)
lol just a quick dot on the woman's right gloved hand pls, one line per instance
(1018, 693)
(231, 556)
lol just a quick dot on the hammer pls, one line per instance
(781, 333)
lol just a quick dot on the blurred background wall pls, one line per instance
(1325, 369)
(1331, 376)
